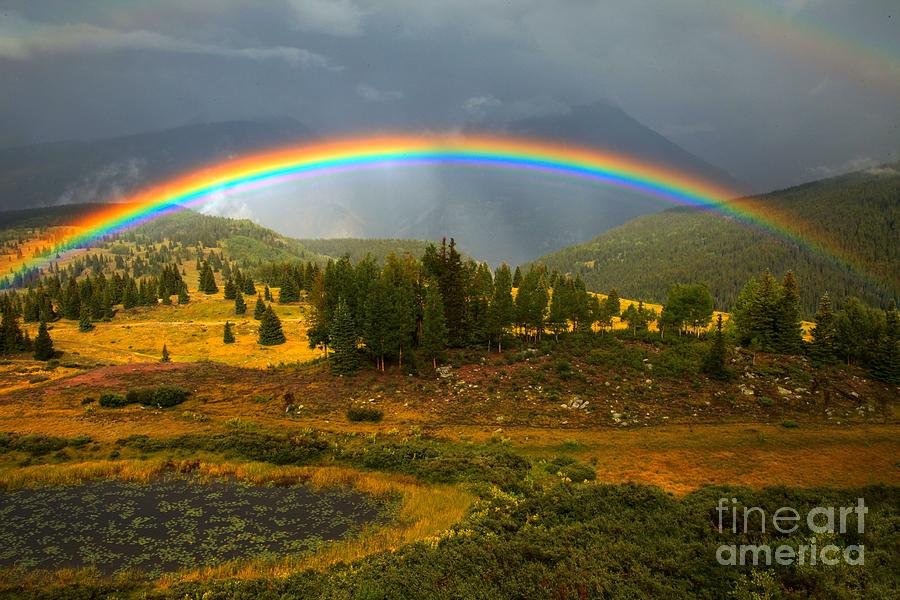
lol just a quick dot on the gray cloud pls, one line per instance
(372, 94)
(23, 40)
(772, 110)
(334, 17)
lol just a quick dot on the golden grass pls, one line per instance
(681, 459)
(425, 510)
(192, 332)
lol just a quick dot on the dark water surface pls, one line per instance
(170, 523)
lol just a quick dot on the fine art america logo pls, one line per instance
(821, 520)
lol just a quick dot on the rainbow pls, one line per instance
(368, 152)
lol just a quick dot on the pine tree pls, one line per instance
(208, 280)
(130, 295)
(502, 308)
(612, 305)
(344, 360)
(249, 288)
(823, 350)
(788, 332)
(10, 334)
(434, 325)
(84, 320)
(714, 362)
(270, 332)
(376, 322)
(267, 295)
(886, 362)
(558, 317)
(260, 309)
(43, 345)
(183, 297)
(289, 291)
(228, 335)
(240, 307)
(517, 278)
(165, 355)
(230, 289)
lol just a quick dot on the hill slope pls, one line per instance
(856, 214)
(243, 240)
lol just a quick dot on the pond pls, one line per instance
(171, 523)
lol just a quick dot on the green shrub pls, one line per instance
(37, 444)
(164, 396)
(571, 468)
(789, 424)
(79, 441)
(365, 413)
(167, 396)
(110, 400)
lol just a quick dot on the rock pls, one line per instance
(783, 391)
(745, 390)
(445, 372)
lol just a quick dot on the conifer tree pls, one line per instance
(228, 335)
(714, 362)
(165, 355)
(376, 321)
(502, 309)
(434, 325)
(183, 297)
(343, 341)
(317, 331)
(249, 288)
(240, 307)
(10, 334)
(558, 317)
(823, 350)
(612, 305)
(886, 362)
(208, 279)
(517, 278)
(43, 345)
(260, 309)
(267, 295)
(289, 291)
(788, 333)
(84, 320)
(230, 289)
(270, 332)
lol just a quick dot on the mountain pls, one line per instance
(107, 169)
(606, 126)
(856, 216)
(499, 216)
(496, 215)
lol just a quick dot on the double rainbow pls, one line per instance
(330, 157)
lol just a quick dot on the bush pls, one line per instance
(37, 444)
(164, 396)
(167, 396)
(571, 468)
(365, 413)
(789, 424)
(112, 400)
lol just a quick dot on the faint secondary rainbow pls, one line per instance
(369, 152)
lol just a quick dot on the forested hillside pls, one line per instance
(856, 216)
(357, 248)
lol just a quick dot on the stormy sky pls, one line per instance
(774, 91)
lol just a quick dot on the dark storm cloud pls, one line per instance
(766, 93)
